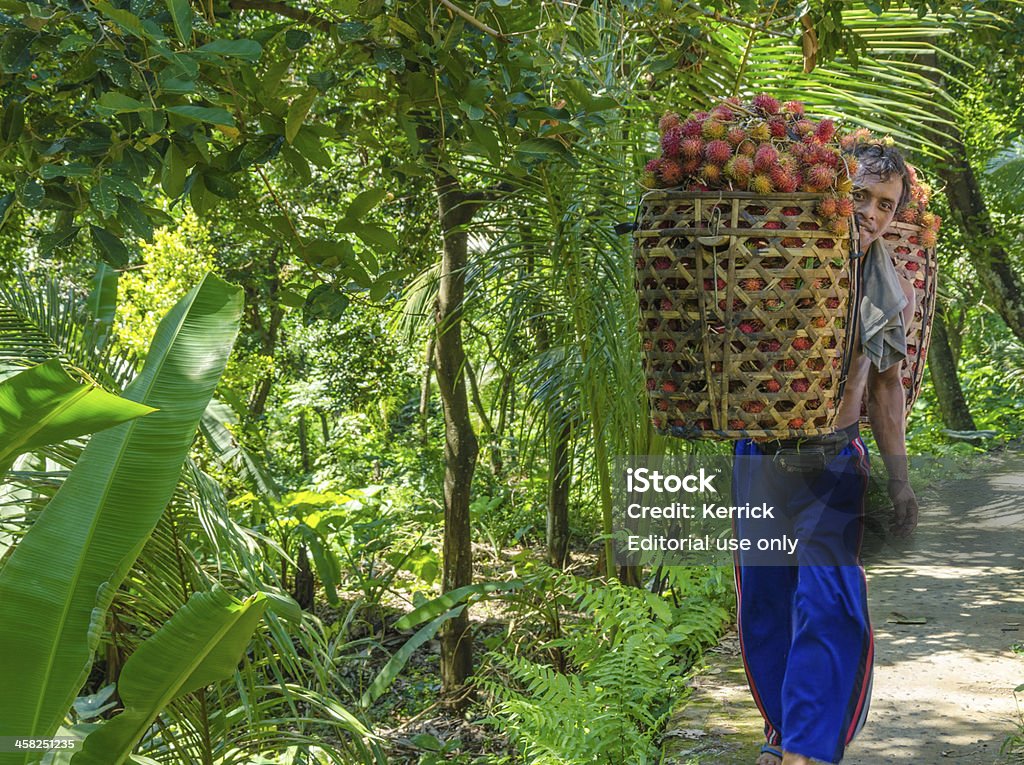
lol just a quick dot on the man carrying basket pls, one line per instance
(805, 632)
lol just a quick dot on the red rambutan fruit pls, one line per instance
(691, 128)
(777, 128)
(802, 343)
(825, 130)
(691, 166)
(929, 238)
(772, 224)
(752, 284)
(820, 177)
(769, 345)
(668, 120)
(766, 104)
(771, 386)
(796, 422)
(691, 148)
(844, 207)
(668, 345)
(723, 113)
(800, 385)
(803, 127)
(735, 136)
(765, 158)
(670, 141)
(752, 406)
(671, 172)
(828, 207)
(794, 108)
(718, 151)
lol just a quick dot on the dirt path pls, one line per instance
(946, 612)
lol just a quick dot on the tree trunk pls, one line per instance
(460, 443)
(984, 245)
(942, 368)
(325, 428)
(560, 481)
(267, 333)
(425, 392)
(303, 441)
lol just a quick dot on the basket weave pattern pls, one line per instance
(744, 306)
(919, 265)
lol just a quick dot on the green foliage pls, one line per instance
(86, 552)
(625, 658)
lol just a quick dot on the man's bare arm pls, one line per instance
(886, 402)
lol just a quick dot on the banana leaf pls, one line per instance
(57, 585)
(43, 405)
(202, 643)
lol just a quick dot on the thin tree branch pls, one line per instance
(282, 9)
(473, 20)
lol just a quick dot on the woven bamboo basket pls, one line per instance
(745, 312)
(920, 266)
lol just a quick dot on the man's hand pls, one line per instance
(904, 503)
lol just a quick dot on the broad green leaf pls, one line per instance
(444, 602)
(200, 644)
(43, 405)
(250, 50)
(127, 21)
(297, 111)
(50, 241)
(181, 14)
(110, 246)
(172, 174)
(325, 301)
(212, 114)
(103, 198)
(6, 205)
(365, 202)
(102, 303)
(56, 586)
(118, 103)
(396, 663)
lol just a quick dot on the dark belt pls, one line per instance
(809, 455)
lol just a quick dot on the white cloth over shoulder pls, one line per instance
(883, 336)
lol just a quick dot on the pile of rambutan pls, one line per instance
(761, 146)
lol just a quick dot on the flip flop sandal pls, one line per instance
(769, 749)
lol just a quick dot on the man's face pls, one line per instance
(874, 204)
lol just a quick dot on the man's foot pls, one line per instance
(770, 755)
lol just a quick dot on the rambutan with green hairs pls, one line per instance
(713, 129)
(718, 152)
(671, 141)
(765, 158)
(692, 148)
(760, 132)
(761, 184)
(649, 180)
(740, 168)
(839, 226)
(668, 120)
(927, 219)
(766, 104)
(671, 172)
(929, 238)
(844, 186)
(736, 136)
(711, 173)
(691, 128)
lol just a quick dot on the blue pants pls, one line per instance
(805, 633)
